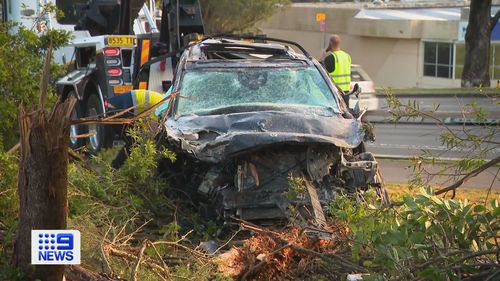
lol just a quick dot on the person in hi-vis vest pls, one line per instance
(338, 64)
(141, 100)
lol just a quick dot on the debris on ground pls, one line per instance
(290, 253)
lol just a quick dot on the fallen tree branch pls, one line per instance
(227, 242)
(75, 155)
(265, 260)
(458, 264)
(114, 120)
(476, 254)
(14, 148)
(161, 270)
(349, 266)
(328, 257)
(198, 255)
(470, 175)
(120, 113)
(135, 272)
(151, 264)
(78, 273)
(162, 259)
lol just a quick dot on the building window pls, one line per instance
(438, 59)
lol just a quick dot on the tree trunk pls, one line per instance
(42, 185)
(477, 45)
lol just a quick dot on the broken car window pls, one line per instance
(209, 89)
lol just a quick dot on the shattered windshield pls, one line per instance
(205, 90)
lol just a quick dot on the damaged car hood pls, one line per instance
(213, 138)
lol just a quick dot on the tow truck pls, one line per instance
(117, 54)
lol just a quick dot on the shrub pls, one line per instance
(426, 237)
(21, 59)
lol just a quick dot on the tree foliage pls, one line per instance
(433, 238)
(476, 137)
(426, 238)
(228, 16)
(9, 206)
(21, 59)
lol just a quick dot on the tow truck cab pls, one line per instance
(102, 67)
(106, 65)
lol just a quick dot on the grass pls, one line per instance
(473, 195)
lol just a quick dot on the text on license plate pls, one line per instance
(121, 41)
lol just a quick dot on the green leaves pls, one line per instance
(21, 57)
(424, 237)
(230, 16)
(8, 214)
(144, 155)
(170, 231)
(136, 188)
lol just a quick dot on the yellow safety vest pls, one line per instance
(341, 75)
(144, 99)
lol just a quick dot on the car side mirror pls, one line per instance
(166, 85)
(356, 90)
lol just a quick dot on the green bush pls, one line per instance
(21, 59)
(426, 237)
(8, 214)
(135, 188)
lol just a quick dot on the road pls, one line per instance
(402, 141)
(408, 140)
(401, 171)
(447, 103)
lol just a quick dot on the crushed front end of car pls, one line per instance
(245, 128)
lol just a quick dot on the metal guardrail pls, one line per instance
(440, 93)
(453, 109)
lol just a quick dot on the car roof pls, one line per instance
(227, 50)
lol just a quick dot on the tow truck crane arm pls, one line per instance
(115, 17)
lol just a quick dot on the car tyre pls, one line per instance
(98, 135)
(77, 113)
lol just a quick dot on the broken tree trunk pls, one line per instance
(42, 183)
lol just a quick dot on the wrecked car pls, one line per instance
(249, 117)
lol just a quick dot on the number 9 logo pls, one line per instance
(65, 241)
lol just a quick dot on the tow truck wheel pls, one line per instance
(75, 130)
(97, 133)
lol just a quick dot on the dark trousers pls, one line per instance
(122, 155)
(121, 102)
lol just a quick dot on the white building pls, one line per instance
(398, 44)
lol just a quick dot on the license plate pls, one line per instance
(120, 89)
(121, 41)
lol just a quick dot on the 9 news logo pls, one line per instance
(55, 247)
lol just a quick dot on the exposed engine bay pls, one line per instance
(242, 164)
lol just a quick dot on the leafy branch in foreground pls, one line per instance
(426, 238)
(476, 137)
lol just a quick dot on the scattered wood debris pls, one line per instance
(288, 254)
